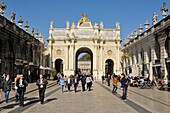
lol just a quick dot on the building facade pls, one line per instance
(103, 45)
(85, 67)
(20, 51)
(148, 53)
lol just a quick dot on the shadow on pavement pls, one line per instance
(49, 100)
(10, 106)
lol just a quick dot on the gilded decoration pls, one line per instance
(83, 19)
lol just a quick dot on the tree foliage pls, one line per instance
(85, 57)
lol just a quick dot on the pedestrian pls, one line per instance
(89, 82)
(0, 86)
(62, 83)
(65, 80)
(108, 79)
(6, 86)
(83, 82)
(75, 81)
(103, 79)
(115, 83)
(124, 82)
(21, 84)
(16, 88)
(42, 83)
(69, 82)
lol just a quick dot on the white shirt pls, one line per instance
(41, 86)
(68, 80)
(20, 82)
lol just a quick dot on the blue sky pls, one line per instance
(130, 13)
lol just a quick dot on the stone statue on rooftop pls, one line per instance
(101, 25)
(51, 24)
(117, 25)
(154, 18)
(12, 17)
(67, 24)
(95, 25)
(73, 25)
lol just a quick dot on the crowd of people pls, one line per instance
(67, 82)
(19, 86)
(123, 79)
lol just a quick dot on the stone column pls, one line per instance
(95, 71)
(95, 56)
(71, 56)
(101, 56)
(164, 54)
(66, 57)
(118, 59)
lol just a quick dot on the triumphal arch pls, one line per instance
(103, 45)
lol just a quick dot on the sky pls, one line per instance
(130, 13)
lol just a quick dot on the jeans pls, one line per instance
(114, 89)
(7, 96)
(16, 94)
(62, 88)
(124, 92)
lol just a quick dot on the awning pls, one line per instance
(168, 61)
(156, 65)
(45, 68)
(42, 67)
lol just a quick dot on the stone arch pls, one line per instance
(83, 50)
(59, 65)
(109, 66)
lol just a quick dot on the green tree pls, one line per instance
(85, 57)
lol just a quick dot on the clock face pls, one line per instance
(109, 52)
(58, 51)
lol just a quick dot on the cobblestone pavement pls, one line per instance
(99, 100)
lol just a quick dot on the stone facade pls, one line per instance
(85, 67)
(101, 44)
(148, 54)
(20, 52)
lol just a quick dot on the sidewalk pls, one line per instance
(152, 99)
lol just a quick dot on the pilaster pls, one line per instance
(164, 54)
